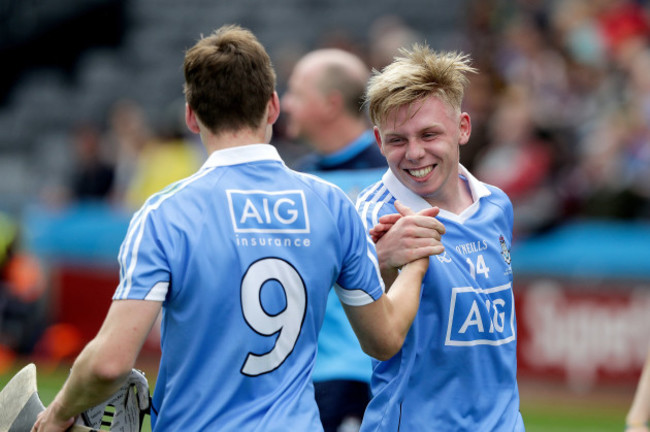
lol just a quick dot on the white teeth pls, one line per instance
(421, 172)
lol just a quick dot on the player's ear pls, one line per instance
(190, 119)
(273, 111)
(375, 130)
(465, 128)
(333, 104)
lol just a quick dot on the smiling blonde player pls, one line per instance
(457, 368)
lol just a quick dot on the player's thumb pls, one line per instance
(402, 209)
(431, 212)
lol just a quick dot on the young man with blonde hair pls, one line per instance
(457, 368)
(240, 257)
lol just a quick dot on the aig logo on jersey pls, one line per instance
(257, 211)
(481, 316)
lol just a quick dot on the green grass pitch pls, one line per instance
(542, 411)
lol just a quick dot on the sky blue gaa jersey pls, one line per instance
(243, 255)
(457, 368)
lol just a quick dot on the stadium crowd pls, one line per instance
(561, 107)
(560, 113)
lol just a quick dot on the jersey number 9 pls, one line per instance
(287, 323)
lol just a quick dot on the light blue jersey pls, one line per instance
(457, 369)
(243, 255)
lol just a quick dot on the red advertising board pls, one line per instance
(582, 332)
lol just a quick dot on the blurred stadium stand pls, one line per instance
(67, 61)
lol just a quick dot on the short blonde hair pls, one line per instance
(416, 74)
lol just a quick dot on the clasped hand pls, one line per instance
(406, 236)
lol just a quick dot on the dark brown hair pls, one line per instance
(229, 79)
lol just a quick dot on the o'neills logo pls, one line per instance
(473, 247)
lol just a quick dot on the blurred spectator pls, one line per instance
(528, 59)
(85, 170)
(521, 161)
(577, 27)
(639, 154)
(386, 36)
(162, 160)
(611, 177)
(128, 134)
(624, 27)
(22, 293)
(480, 103)
(612, 173)
(93, 175)
(323, 105)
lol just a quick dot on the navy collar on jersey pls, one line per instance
(242, 154)
(416, 203)
(349, 151)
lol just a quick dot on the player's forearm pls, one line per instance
(405, 294)
(92, 380)
(639, 413)
(381, 326)
(402, 306)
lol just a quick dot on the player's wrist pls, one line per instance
(419, 265)
(55, 417)
(59, 412)
(387, 266)
(632, 425)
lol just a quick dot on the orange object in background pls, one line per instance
(7, 359)
(59, 342)
(24, 278)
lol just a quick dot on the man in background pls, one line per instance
(324, 107)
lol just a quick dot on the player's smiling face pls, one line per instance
(421, 145)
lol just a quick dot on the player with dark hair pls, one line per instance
(241, 257)
(457, 368)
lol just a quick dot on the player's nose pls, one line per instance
(414, 150)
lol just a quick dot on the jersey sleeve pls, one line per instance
(359, 282)
(501, 199)
(144, 269)
(509, 217)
